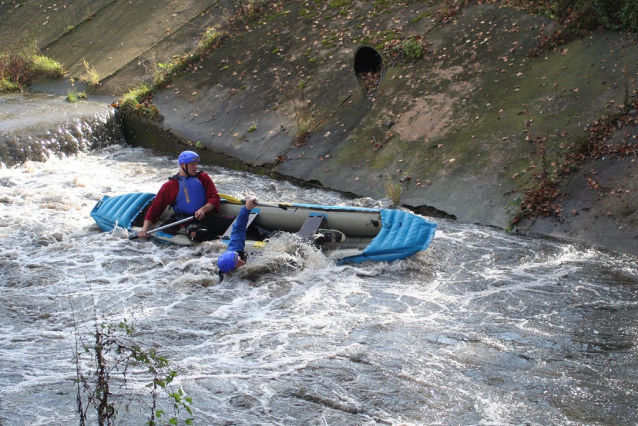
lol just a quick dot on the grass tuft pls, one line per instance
(138, 101)
(73, 95)
(46, 67)
(211, 39)
(94, 77)
(393, 190)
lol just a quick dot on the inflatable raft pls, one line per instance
(363, 234)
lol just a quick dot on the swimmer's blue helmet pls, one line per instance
(227, 261)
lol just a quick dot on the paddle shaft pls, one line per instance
(235, 200)
(279, 206)
(170, 225)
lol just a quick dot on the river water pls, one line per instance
(483, 328)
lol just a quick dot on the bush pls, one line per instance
(589, 14)
(21, 65)
(106, 359)
(629, 15)
(412, 48)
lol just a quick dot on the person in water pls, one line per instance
(190, 193)
(234, 256)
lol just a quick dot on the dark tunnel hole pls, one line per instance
(368, 65)
(366, 60)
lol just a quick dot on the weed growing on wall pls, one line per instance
(393, 190)
(138, 101)
(94, 77)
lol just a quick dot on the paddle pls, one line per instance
(235, 200)
(259, 203)
(170, 225)
(231, 199)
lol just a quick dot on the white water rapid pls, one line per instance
(483, 328)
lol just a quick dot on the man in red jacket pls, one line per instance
(189, 193)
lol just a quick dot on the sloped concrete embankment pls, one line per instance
(453, 129)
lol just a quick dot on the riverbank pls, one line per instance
(330, 95)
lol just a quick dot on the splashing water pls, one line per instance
(482, 328)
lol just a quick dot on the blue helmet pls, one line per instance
(187, 157)
(227, 261)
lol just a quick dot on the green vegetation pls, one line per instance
(22, 65)
(105, 359)
(94, 77)
(135, 96)
(590, 14)
(73, 95)
(250, 10)
(339, 3)
(412, 48)
(211, 39)
(393, 190)
(329, 41)
(304, 122)
(578, 16)
(6, 85)
(422, 16)
(138, 101)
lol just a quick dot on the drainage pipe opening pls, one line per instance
(368, 65)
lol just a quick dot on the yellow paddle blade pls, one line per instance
(231, 199)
